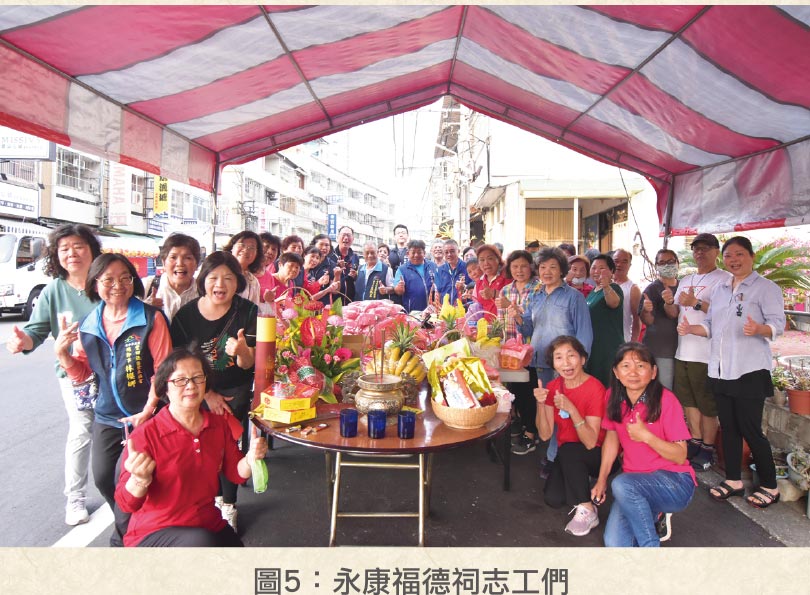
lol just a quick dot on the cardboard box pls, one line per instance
(288, 403)
(288, 417)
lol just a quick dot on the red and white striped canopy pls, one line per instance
(712, 104)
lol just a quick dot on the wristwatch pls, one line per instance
(698, 305)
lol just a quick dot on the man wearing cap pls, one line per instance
(692, 357)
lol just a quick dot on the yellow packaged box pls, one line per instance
(288, 417)
(288, 403)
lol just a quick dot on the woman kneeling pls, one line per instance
(647, 421)
(575, 403)
(172, 463)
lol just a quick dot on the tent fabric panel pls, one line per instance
(201, 168)
(104, 38)
(740, 39)
(514, 44)
(664, 18)
(757, 191)
(226, 93)
(356, 53)
(33, 98)
(94, 124)
(141, 143)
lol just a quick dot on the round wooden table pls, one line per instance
(430, 436)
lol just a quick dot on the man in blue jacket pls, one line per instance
(415, 280)
(452, 277)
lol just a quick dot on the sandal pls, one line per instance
(762, 499)
(725, 491)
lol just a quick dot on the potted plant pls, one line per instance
(797, 387)
(798, 463)
(779, 376)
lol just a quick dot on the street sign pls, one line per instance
(331, 226)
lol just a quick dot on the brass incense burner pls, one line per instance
(382, 392)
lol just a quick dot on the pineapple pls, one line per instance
(402, 360)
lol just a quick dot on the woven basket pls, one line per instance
(464, 419)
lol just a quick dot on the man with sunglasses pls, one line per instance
(692, 299)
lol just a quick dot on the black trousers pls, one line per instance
(525, 403)
(741, 417)
(240, 405)
(106, 462)
(569, 481)
(191, 537)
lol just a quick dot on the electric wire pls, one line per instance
(648, 268)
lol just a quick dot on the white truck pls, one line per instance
(23, 247)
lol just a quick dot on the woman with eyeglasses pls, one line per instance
(661, 335)
(169, 488)
(223, 324)
(746, 313)
(246, 246)
(123, 341)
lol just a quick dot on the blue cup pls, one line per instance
(376, 424)
(348, 423)
(406, 424)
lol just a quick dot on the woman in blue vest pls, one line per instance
(123, 341)
(415, 280)
(374, 280)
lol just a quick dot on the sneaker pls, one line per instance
(584, 520)
(515, 428)
(524, 445)
(663, 526)
(76, 512)
(229, 514)
(218, 502)
(703, 460)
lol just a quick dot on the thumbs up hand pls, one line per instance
(646, 303)
(399, 288)
(750, 328)
(683, 327)
(667, 296)
(637, 429)
(18, 341)
(238, 346)
(540, 393)
(154, 299)
(687, 298)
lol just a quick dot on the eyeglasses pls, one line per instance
(109, 282)
(182, 382)
(702, 249)
(244, 247)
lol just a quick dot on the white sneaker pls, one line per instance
(584, 520)
(76, 512)
(218, 502)
(229, 514)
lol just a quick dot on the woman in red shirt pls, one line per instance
(172, 464)
(575, 403)
(492, 279)
(646, 421)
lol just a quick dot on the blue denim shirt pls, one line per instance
(546, 317)
(732, 352)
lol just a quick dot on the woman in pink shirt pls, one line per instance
(647, 422)
(492, 279)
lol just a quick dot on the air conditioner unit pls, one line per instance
(137, 199)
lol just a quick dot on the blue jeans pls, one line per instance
(546, 375)
(637, 500)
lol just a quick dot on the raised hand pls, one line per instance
(540, 393)
(269, 296)
(503, 302)
(18, 341)
(154, 299)
(667, 296)
(687, 298)
(683, 327)
(604, 280)
(140, 466)
(637, 429)
(324, 279)
(750, 328)
(68, 334)
(646, 303)
(399, 288)
(237, 346)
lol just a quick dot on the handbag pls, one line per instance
(86, 392)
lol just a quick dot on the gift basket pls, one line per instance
(515, 354)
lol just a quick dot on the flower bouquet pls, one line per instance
(309, 349)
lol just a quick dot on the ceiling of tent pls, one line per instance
(712, 104)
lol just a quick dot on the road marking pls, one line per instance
(83, 535)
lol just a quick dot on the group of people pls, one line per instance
(642, 389)
(173, 364)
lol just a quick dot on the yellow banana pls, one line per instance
(403, 361)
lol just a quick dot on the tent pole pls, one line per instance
(215, 191)
(668, 222)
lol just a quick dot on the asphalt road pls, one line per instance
(468, 506)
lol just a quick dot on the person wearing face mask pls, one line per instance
(579, 269)
(661, 335)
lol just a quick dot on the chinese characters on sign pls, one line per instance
(416, 581)
(161, 195)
